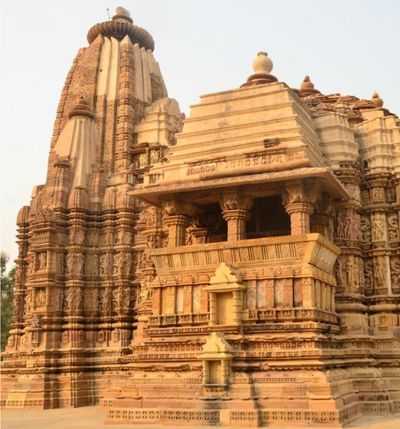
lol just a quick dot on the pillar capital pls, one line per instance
(299, 200)
(173, 207)
(235, 210)
(235, 201)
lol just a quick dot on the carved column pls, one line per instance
(200, 235)
(299, 204)
(177, 219)
(299, 217)
(176, 229)
(213, 308)
(321, 220)
(235, 210)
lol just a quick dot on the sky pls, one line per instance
(202, 46)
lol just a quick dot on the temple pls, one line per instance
(237, 267)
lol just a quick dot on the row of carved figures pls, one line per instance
(78, 264)
(105, 300)
(353, 273)
(351, 226)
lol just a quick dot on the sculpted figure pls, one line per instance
(395, 271)
(42, 260)
(106, 264)
(341, 225)
(74, 298)
(365, 229)
(70, 263)
(32, 263)
(380, 273)
(124, 263)
(28, 302)
(106, 300)
(40, 298)
(351, 280)
(75, 262)
(343, 272)
(91, 299)
(393, 226)
(378, 229)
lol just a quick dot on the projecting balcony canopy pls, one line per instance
(327, 180)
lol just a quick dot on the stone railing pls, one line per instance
(284, 251)
(294, 314)
(179, 319)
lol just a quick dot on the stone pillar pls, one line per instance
(237, 307)
(177, 219)
(236, 220)
(177, 225)
(299, 200)
(200, 235)
(235, 210)
(299, 217)
(213, 308)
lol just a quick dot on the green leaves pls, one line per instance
(7, 282)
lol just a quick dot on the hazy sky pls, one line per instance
(346, 46)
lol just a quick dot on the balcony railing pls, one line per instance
(312, 249)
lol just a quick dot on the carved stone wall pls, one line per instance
(137, 286)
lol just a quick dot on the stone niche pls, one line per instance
(225, 294)
(216, 356)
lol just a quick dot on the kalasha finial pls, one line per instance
(307, 87)
(262, 66)
(377, 100)
(122, 14)
(121, 26)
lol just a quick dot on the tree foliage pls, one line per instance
(7, 281)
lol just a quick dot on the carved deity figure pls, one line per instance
(124, 263)
(342, 225)
(380, 273)
(106, 300)
(74, 299)
(352, 271)
(395, 271)
(378, 229)
(75, 262)
(366, 229)
(91, 299)
(393, 228)
(341, 273)
(106, 264)
(40, 298)
(42, 258)
(32, 263)
(28, 302)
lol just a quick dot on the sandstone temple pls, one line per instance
(237, 267)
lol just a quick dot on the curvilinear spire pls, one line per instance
(77, 275)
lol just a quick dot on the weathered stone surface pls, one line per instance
(241, 268)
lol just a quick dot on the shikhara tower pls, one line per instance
(239, 267)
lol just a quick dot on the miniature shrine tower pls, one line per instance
(240, 267)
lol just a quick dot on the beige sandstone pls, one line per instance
(240, 267)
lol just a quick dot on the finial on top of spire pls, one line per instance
(120, 26)
(307, 87)
(122, 14)
(377, 100)
(262, 66)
